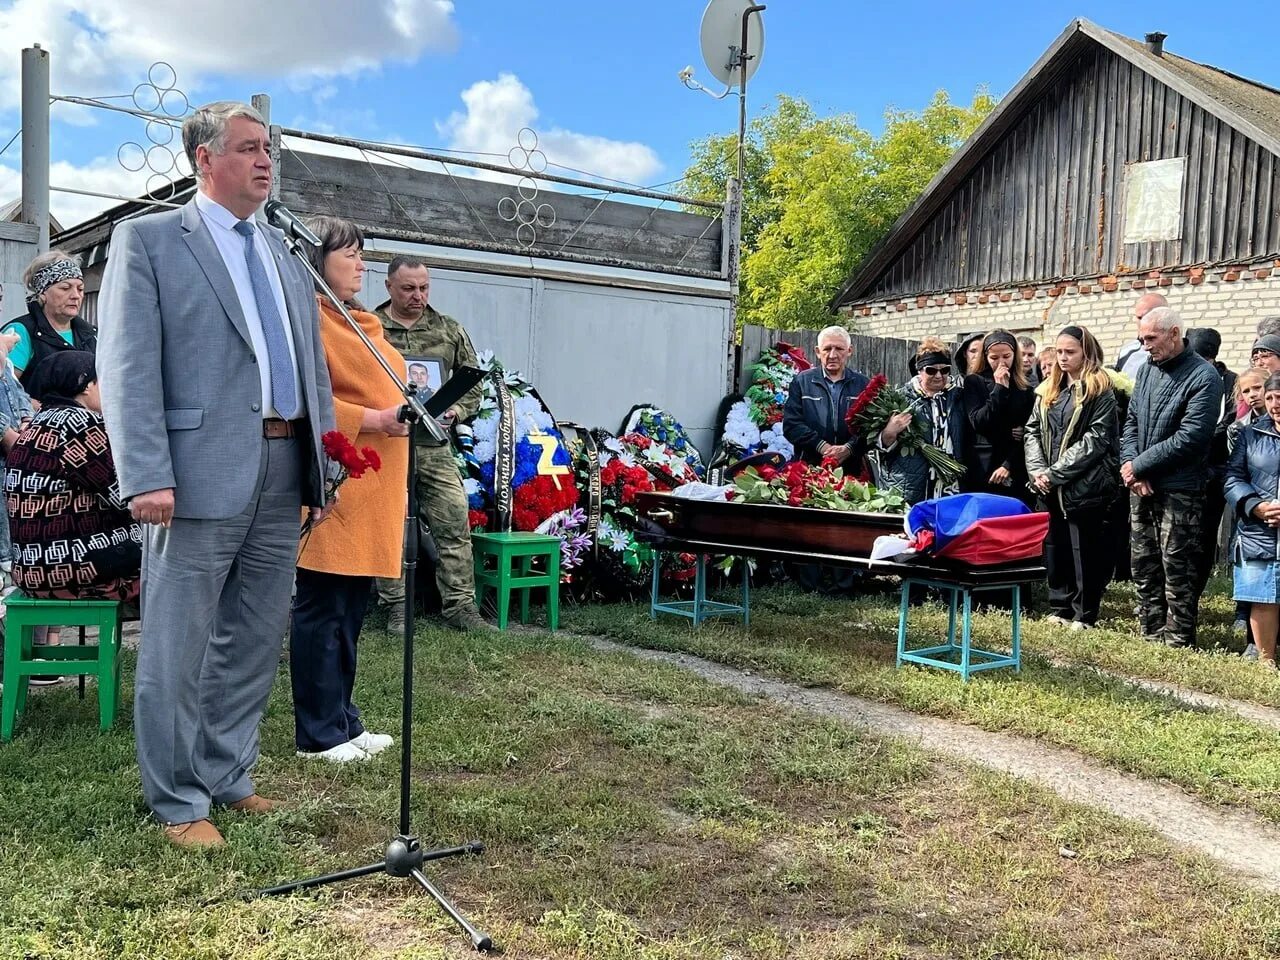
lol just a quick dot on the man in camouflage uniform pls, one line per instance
(1164, 455)
(417, 330)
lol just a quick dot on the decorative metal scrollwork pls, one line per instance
(161, 98)
(523, 209)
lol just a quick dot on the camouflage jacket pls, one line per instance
(436, 336)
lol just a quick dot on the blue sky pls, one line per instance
(597, 80)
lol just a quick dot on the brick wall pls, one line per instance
(1230, 298)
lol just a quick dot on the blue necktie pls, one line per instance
(284, 387)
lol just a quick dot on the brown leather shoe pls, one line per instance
(254, 804)
(197, 833)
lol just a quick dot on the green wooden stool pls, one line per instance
(524, 549)
(24, 658)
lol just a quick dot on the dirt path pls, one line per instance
(1256, 712)
(1239, 840)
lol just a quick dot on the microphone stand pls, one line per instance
(404, 856)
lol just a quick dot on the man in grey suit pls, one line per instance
(216, 396)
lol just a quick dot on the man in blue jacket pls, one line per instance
(813, 418)
(1164, 462)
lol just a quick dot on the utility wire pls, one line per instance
(11, 141)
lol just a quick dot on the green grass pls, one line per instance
(850, 646)
(630, 811)
(1214, 668)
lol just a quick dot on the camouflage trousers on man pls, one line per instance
(442, 504)
(1165, 528)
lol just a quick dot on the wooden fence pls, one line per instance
(871, 355)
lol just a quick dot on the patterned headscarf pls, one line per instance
(56, 272)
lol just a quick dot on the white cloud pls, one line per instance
(105, 47)
(496, 110)
(102, 175)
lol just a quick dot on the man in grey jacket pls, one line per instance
(216, 395)
(1164, 455)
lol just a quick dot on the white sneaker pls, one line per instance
(1054, 618)
(342, 753)
(372, 743)
(1081, 625)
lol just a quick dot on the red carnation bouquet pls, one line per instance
(799, 484)
(870, 412)
(620, 484)
(349, 461)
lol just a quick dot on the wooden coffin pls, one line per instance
(766, 526)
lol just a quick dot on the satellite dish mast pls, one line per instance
(732, 37)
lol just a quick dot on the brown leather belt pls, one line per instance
(273, 428)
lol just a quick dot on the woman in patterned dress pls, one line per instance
(73, 537)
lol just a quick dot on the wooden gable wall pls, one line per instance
(1047, 201)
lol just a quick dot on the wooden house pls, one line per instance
(1114, 168)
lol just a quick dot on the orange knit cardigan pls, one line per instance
(363, 534)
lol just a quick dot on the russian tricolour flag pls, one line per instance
(974, 528)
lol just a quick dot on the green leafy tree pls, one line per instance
(820, 192)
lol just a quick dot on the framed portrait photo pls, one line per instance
(425, 373)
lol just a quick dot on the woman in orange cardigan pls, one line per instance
(361, 539)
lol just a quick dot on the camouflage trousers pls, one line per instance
(442, 505)
(1165, 528)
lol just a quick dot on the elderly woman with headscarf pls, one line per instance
(998, 401)
(52, 324)
(937, 405)
(73, 536)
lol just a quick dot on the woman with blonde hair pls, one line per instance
(1073, 464)
(1248, 393)
(937, 405)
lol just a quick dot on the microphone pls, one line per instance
(280, 216)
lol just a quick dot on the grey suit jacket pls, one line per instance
(180, 387)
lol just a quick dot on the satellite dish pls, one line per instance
(722, 36)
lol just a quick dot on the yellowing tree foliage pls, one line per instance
(820, 192)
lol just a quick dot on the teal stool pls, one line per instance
(24, 658)
(963, 657)
(699, 608)
(513, 556)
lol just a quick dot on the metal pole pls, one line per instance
(35, 141)
(743, 57)
(262, 103)
(730, 252)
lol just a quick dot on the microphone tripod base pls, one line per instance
(404, 858)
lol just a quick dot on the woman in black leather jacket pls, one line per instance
(1072, 455)
(1253, 497)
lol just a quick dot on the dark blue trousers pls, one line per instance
(328, 612)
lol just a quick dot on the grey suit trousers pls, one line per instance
(215, 603)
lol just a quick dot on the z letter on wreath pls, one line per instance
(545, 466)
